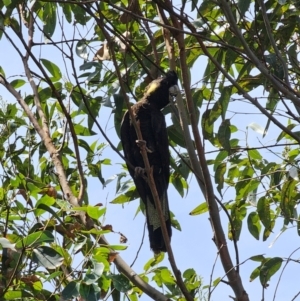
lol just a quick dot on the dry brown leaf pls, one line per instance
(133, 7)
(107, 227)
(52, 192)
(112, 256)
(123, 239)
(29, 280)
(102, 54)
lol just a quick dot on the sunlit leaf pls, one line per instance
(202, 208)
(35, 239)
(83, 131)
(254, 274)
(167, 277)
(5, 243)
(256, 127)
(254, 154)
(259, 258)
(81, 48)
(47, 257)
(269, 268)
(17, 295)
(18, 83)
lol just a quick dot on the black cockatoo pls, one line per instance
(154, 132)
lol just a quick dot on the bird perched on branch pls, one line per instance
(150, 119)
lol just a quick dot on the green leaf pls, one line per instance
(217, 281)
(98, 268)
(17, 83)
(277, 176)
(90, 278)
(17, 295)
(224, 134)
(238, 213)
(243, 6)
(81, 48)
(118, 247)
(177, 182)
(207, 126)
(118, 116)
(255, 273)
(254, 154)
(283, 134)
(174, 222)
(49, 18)
(293, 56)
(89, 292)
(67, 11)
(219, 158)
(79, 14)
(189, 273)
(259, 258)
(71, 290)
(53, 69)
(219, 176)
(224, 100)
(254, 224)
(45, 200)
(130, 195)
(202, 208)
(167, 277)
(6, 2)
(175, 135)
(154, 261)
(83, 131)
(288, 194)
(242, 187)
(121, 283)
(263, 210)
(5, 243)
(47, 257)
(35, 239)
(94, 212)
(257, 128)
(268, 231)
(268, 269)
(2, 70)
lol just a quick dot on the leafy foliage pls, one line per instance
(83, 60)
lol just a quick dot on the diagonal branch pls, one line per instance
(220, 240)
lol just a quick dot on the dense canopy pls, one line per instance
(69, 70)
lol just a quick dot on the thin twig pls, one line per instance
(280, 276)
(140, 247)
(211, 276)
